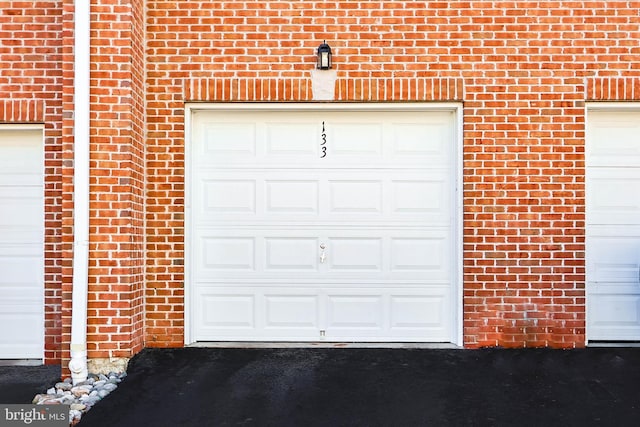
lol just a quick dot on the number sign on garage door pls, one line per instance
(321, 224)
(613, 225)
(21, 244)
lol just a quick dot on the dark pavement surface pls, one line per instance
(19, 384)
(361, 387)
(375, 387)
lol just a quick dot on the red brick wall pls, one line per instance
(521, 66)
(523, 70)
(31, 92)
(116, 250)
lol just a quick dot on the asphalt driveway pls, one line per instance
(19, 384)
(375, 387)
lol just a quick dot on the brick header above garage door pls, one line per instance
(21, 111)
(612, 89)
(299, 89)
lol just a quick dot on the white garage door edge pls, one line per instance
(591, 231)
(32, 359)
(456, 108)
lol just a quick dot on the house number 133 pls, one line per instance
(323, 144)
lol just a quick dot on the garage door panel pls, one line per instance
(21, 213)
(284, 311)
(17, 268)
(228, 253)
(22, 298)
(355, 311)
(417, 311)
(614, 196)
(430, 142)
(293, 139)
(614, 316)
(19, 240)
(421, 196)
(292, 197)
(21, 152)
(229, 196)
(353, 139)
(613, 139)
(614, 259)
(291, 254)
(416, 254)
(227, 310)
(354, 254)
(20, 183)
(626, 310)
(355, 196)
(224, 141)
(24, 339)
(21, 205)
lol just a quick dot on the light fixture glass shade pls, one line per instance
(324, 56)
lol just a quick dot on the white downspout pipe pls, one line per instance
(81, 83)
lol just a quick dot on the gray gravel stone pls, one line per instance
(81, 389)
(39, 397)
(67, 399)
(78, 407)
(74, 414)
(92, 400)
(110, 387)
(64, 386)
(82, 396)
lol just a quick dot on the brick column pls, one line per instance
(115, 308)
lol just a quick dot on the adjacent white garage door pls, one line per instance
(306, 225)
(613, 225)
(21, 244)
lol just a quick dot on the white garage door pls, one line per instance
(613, 225)
(309, 225)
(21, 244)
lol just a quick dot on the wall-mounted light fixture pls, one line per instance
(324, 56)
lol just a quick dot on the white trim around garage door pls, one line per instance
(457, 222)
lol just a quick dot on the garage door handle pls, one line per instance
(322, 255)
